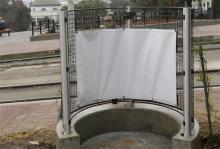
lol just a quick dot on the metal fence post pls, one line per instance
(64, 75)
(187, 69)
(32, 28)
(54, 26)
(40, 27)
(128, 21)
(48, 25)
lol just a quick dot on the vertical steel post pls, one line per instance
(64, 75)
(128, 21)
(187, 69)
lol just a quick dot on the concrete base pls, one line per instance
(66, 141)
(193, 142)
(124, 117)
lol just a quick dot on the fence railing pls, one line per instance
(44, 26)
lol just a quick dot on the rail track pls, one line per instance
(50, 90)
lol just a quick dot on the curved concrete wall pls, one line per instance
(129, 120)
(124, 117)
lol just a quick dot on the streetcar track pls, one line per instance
(57, 97)
(5, 64)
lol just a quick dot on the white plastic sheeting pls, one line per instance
(129, 63)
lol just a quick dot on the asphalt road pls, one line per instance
(25, 80)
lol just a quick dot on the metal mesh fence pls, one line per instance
(155, 18)
(165, 18)
(71, 60)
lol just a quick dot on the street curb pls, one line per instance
(30, 85)
(59, 97)
(208, 71)
(31, 99)
(208, 38)
(29, 55)
(200, 86)
(29, 59)
(59, 83)
(35, 64)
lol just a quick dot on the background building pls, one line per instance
(197, 4)
(202, 4)
(209, 8)
(41, 9)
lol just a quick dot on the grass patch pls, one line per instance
(205, 42)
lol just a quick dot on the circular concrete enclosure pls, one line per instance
(127, 126)
(124, 83)
(124, 126)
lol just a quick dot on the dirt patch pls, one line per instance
(204, 142)
(45, 139)
(204, 134)
(39, 139)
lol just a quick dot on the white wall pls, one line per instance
(48, 8)
(204, 4)
(196, 4)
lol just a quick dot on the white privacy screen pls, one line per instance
(130, 63)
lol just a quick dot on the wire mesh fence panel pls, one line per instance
(165, 18)
(100, 18)
(71, 59)
(151, 18)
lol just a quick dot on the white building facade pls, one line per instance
(202, 4)
(41, 9)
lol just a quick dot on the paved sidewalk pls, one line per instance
(16, 117)
(210, 30)
(27, 116)
(19, 42)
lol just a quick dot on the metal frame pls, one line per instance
(185, 48)
(64, 75)
(187, 69)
